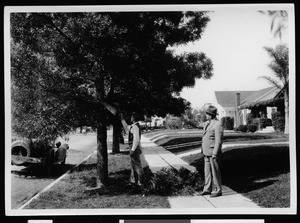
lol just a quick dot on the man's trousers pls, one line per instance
(136, 168)
(212, 173)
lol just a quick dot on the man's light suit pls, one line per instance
(211, 145)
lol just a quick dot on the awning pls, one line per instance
(268, 103)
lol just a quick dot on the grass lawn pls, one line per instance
(71, 192)
(261, 173)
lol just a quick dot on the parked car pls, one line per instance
(25, 152)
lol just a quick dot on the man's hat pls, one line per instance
(211, 110)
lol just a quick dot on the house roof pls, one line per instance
(248, 98)
(259, 97)
(228, 98)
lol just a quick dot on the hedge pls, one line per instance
(262, 123)
(278, 121)
(227, 122)
(252, 128)
(243, 128)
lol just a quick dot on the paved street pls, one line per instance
(28, 181)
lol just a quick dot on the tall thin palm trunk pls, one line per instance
(286, 110)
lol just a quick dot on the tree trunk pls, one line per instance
(116, 134)
(102, 160)
(286, 111)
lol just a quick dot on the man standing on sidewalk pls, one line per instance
(211, 148)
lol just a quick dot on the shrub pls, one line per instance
(227, 122)
(256, 122)
(191, 123)
(252, 128)
(243, 128)
(169, 181)
(278, 121)
(191, 179)
(174, 122)
(164, 182)
(249, 119)
(264, 122)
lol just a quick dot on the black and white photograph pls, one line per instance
(150, 110)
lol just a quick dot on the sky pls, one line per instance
(234, 40)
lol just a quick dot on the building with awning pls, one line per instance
(238, 104)
(264, 102)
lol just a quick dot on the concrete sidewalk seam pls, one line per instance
(209, 202)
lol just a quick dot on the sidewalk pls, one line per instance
(158, 158)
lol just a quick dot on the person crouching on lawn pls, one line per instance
(134, 131)
(212, 139)
(61, 151)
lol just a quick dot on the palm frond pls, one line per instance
(272, 81)
(262, 12)
(279, 20)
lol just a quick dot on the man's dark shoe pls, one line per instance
(216, 194)
(205, 193)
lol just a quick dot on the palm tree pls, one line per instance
(280, 66)
(279, 21)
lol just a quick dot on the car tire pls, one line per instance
(20, 147)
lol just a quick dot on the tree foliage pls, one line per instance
(280, 66)
(33, 106)
(128, 50)
(75, 60)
